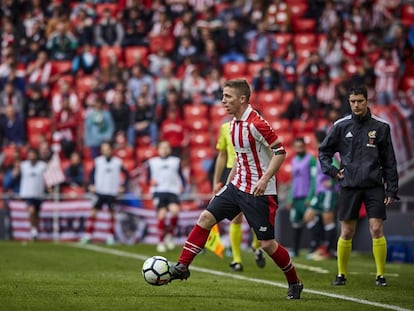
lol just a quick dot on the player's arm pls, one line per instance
(218, 169)
(327, 150)
(124, 186)
(182, 177)
(92, 180)
(279, 155)
(389, 165)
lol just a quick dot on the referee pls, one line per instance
(368, 174)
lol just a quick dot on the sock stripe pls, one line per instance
(193, 245)
(288, 266)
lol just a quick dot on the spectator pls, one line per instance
(386, 71)
(210, 58)
(329, 18)
(45, 151)
(266, 78)
(166, 82)
(11, 97)
(86, 62)
(301, 106)
(162, 26)
(157, 61)
(13, 126)
(7, 65)
(351, 41)
(136, 81)
(213, 93)
(61, 44)
(109, 32)
(9, 37)
(278, 16)
(36, 104)
(325, 93)
(11, 180)
(312, 72)
(331, 54)
(193, 85)
(209, 21)
(74, 175)
(143, 121)
(185, 49)
(66, 123)
(232, 43)
(261, 43)
(135, 25)
(121, 113)
(287, 64)
(173, 100)
(83, 26)
(39, 72)
(65, 91)
(99, 127)
(173, 131)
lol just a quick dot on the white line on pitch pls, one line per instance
(115, 252)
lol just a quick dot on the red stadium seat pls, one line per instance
(407, 12)
(143, 153)
(300, 126)
(286, 137)
(38, 126)
(298, 9)
(196, 111)
(83, 84)
(101, 7)
(304, 25)
(201, 153)
(9, 153)
(310, 139)
(272, 113)
(218, 113)
(280, 125)
(202, 139)
(136, 55)
(283, 39)
(407, 82)
(126, 153)
(301, 41)
(61, 67)
(268, 98)
(161, 42)
(129, 164)
(197, 124)
(284, 174)
(143, 140)
(106, 52)
(253, 68)
(233, 70)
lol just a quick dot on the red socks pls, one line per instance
(91, 225)
(161, 229)
(112, 225)
(194, 244)
(282, 259)
(173, 224)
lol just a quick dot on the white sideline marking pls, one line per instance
(115, 252)
(310, 268)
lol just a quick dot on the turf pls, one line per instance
(48, 276)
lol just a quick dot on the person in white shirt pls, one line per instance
(106, 184)
(32, 186)
(167, 182)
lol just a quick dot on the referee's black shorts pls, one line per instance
(259, 211)
(351, 200)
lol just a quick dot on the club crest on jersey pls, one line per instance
(372, 135)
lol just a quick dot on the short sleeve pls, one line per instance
(263, 132)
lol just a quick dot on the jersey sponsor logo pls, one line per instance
(349, 135)
(262, 229)
(243, 150)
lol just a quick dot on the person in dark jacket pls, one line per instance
(368, 174)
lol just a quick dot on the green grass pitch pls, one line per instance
(49, 276)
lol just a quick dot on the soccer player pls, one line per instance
(105, 182)
(224, 163)
(167, 182)
(368, 174)
(323, 205)
(32, 186)
(301, 193)
(252, 189)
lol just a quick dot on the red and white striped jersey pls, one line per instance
(251, 136)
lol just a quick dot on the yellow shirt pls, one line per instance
(224, 143)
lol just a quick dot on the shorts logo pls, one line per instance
(262, 229)
(371, 138)
(349, 135)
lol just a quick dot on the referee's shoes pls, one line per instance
(341, 280)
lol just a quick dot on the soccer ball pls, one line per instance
(156, 271)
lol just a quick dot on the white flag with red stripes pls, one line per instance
(54, 174)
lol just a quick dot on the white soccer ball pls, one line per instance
(156, 270)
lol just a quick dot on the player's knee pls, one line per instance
(347, 232)
(269, 246)
(206, 220)
(174, 209)
(376, 230)
(238, 219)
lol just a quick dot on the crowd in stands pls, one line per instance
(76, 73)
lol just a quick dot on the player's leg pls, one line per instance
(260, 213)
(374, 203)
(348, 213)
(110, 201)
(236, 236)
(314, 224)
(223, 205)
(258, 252)
(330, 232)
(90, 226)
(296, 219)
(161, 227)
(33, 208)
(174, 210)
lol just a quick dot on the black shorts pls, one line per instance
(163, 199)
(351, 200)
(259, 211)
(36, 203)
(102, 199)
